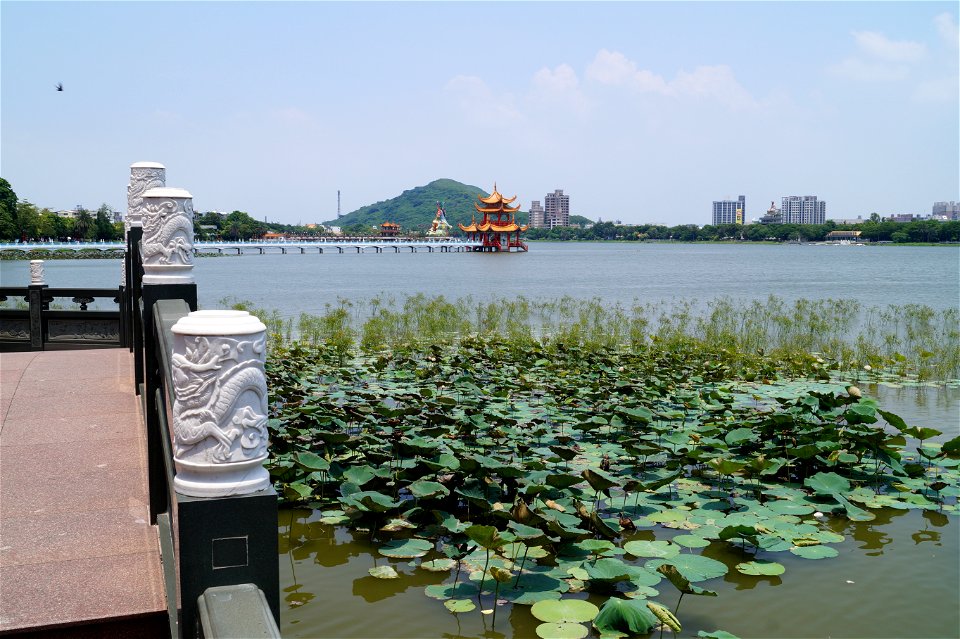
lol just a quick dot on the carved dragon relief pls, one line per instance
(142, 180)
(167, 232)
(220, 400)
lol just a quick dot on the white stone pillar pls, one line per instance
(143, 177)
(167, 236)
(36, 273)
(220, 436)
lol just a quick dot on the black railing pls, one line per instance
(41, 325)
(206, 543)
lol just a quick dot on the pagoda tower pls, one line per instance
(497, 230)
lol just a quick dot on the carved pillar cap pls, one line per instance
(147, 165)
(218, 322)
(167, 191)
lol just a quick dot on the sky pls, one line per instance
(643, 112)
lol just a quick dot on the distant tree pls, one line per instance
(82, 224)
(103, 227)
(8, 212)
(27, 220)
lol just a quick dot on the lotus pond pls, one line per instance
(481, 487)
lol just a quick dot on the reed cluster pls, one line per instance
(907, 339)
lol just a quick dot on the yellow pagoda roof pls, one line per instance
(496, 197)
(498, 209)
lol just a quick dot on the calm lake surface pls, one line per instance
(613, 272)
(896, 576)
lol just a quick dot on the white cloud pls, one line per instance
(863, 71)
(705, 82)
(480, 104)
(562, 78)
(947, 29)
(559, 86)
(938, 90)
(877, 45)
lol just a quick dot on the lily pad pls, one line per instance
(384, 572)
(628, 616)
(691, 541)
(406, 548)
(760, 567)
(569, 610)
(814, 552)
(693, 567)
(562, 631)
(460, 605)
(661, 549)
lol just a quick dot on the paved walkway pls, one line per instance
(75, 543)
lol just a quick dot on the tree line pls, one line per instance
(870, 230)
(21, 220)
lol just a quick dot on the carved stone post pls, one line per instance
(220, 404)
(36, 273)
(167, 243)
(143, 177)
(38, 302)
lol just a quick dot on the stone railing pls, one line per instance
(201, 378)
(45, 318)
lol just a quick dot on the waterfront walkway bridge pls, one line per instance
(328, 245)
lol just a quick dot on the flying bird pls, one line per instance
(59, 86)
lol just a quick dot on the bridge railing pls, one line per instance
(203, 391)
(45, 318)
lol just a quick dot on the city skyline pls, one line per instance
(641, 112)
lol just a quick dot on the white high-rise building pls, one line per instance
(803, 209)
(537, 217)
(730, 211)
(556, 209)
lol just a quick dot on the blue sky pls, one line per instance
(642, 112)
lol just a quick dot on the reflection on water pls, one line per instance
(897, 575)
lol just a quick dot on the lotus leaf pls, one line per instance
(691, 541)
(787, 507)
(398, 524)
(827, 484)
(629, 616)
(373, 501)
(814, 552)
(568, 610)
(599, 480)
(661, 549)
(311, 461)
(561, 630)
(359, 475)
(448, 591)
(562, 480)
(406, 548)
(761, 568)
(460, 605)
(681, 583)
(486, 536)
(428, 489)
(438, 565)
(716, 634)
(384, 572)
(693, 567)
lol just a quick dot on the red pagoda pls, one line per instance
(497, 231)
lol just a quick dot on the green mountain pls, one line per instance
(415, 209)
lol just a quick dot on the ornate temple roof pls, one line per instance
(496, 209)
(496, 197)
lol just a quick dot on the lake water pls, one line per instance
(614, 272)
(896, 576)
